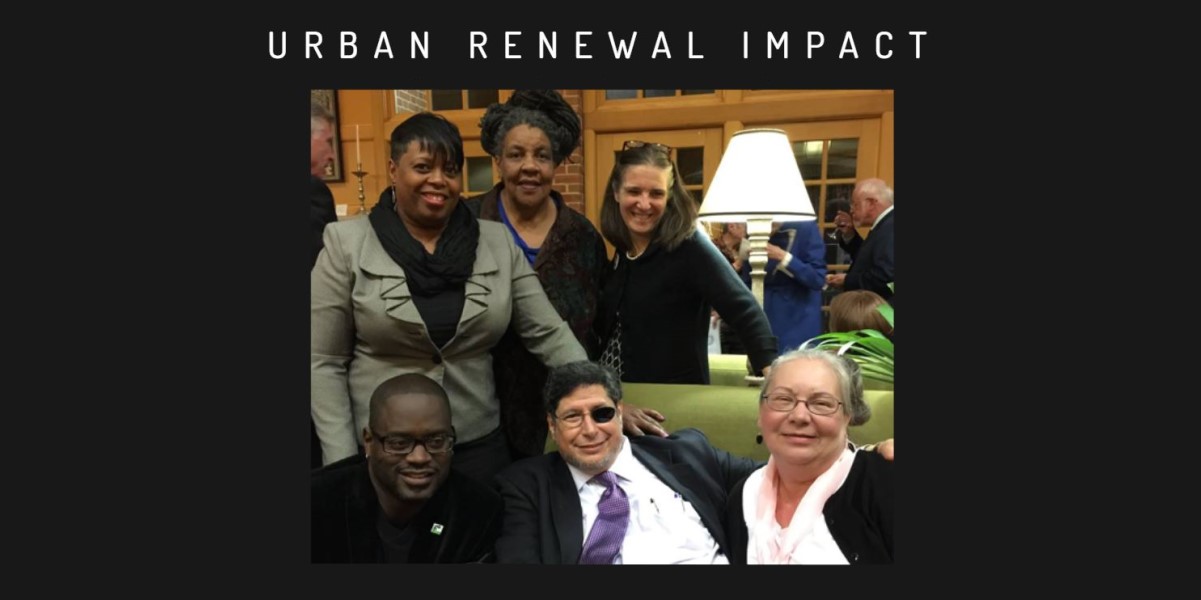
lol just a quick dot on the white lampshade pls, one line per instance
(757, 178)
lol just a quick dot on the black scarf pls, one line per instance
(428, 274)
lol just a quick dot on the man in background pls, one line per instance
(321, 154)
(872, 260)
(321, 211)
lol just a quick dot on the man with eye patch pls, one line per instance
(605, 498)
(402, 502)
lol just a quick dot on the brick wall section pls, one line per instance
(409, 100)
(569, 177)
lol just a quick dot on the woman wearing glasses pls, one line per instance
(421, 286)
(528, 137)
(819, 500)
(665, 276)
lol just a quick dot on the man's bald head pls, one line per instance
(870, 198)
(409, 384)
(409, 414)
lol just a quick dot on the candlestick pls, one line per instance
(362, 198)
(358, 155)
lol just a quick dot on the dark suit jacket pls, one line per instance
(345, 510)
(321, 213)
(872, 260)
(859, 514)
(543, 520)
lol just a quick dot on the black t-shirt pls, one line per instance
(395, 543)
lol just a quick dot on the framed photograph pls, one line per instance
(329, 99)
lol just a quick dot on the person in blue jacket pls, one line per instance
(792, 289)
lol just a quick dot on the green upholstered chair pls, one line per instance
(730, 369)
(727, 369)
(727, 414)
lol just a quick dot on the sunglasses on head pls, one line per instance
(632, 144)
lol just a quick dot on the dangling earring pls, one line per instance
(759, 439)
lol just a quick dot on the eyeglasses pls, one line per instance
(400, 444)
(632, 144)
(818, 405)
(600, 415)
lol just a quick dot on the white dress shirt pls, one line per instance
(664, 528)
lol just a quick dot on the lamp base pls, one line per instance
(758, 232)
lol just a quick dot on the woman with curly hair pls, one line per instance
(529, 136)
(422, 286)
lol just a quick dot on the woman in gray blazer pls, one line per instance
(421, 286)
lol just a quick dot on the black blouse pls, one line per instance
(664, 300)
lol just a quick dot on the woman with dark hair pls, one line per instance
(528, 137)
(421, 286)
(654, 309)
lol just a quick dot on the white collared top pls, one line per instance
(664, 527)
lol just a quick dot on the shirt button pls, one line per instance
(854, 557)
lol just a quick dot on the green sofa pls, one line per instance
(727, 414)
(727, 369)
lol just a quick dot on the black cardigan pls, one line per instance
(859, 514)
(664, 298)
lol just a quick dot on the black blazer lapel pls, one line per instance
(565, 512)
(683, 478)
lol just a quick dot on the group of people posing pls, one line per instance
(472, 328)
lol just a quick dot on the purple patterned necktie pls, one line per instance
(609, 529)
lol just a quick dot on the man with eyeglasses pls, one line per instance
(605, 498)
(402, 502)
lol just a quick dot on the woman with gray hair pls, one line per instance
(819, 500)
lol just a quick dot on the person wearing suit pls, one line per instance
(321, 210)
(403, 503)
(675, 488)
(792, 290)
(872, 260)
(819, 500)
(321, 152)
(421, 286)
